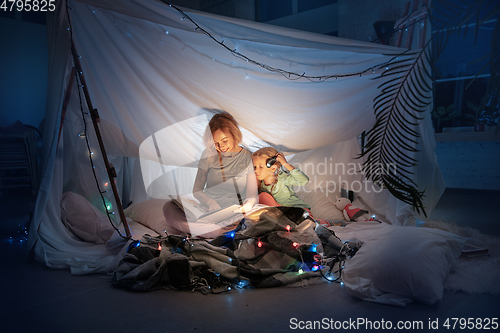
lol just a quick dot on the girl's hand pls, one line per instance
(282, 160)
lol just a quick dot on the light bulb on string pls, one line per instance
(259, 243)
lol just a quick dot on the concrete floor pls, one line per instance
(36, 298)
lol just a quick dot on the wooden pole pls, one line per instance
(95, 120)
(66, 101)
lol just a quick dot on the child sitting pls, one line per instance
(277, 187)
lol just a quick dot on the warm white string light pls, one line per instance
(287, 74)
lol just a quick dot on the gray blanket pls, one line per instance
(272, 247)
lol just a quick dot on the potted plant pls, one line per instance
(479, 116)
(442, 114)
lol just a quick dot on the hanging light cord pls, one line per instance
(79, 86)
(287, 74)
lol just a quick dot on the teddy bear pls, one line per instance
(351, 213)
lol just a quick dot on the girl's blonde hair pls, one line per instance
(224, 122)
(266, 152)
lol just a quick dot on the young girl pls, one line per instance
(276, 187)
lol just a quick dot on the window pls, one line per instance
(455, 88)
(268, 10)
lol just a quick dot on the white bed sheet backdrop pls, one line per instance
(147, 68)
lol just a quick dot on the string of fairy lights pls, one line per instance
(320, 263)
(105, 203)
(329, 268)
(293, 75)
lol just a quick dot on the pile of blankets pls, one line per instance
(271, 247)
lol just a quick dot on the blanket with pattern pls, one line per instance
(271, 247)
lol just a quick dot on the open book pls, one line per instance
(195, 212)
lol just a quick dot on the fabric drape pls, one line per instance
(148, 69)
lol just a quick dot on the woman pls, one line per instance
(225, 174)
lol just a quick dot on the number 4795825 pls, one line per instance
(28, 5)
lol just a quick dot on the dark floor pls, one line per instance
(39, 299)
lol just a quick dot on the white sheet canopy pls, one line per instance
(148, 69)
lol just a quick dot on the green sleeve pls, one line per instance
(297, 178)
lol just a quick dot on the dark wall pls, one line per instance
(23, 68)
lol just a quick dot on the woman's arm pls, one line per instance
(252, 188)
(199, 186)
(251, 193)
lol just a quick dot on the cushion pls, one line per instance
(400, 264)
(149, 213)
(321, 205)
(84, 220)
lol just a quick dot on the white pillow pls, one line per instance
(84, 220)
(149, 213)
(321, 205)
(400, 264)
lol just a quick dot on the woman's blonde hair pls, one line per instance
(224, 122)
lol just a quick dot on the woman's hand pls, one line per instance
(247, 206)
(199, 184)
(211, 204)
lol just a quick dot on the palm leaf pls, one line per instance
(406, 93)
(404, 97)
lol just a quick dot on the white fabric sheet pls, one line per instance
(146, 69)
